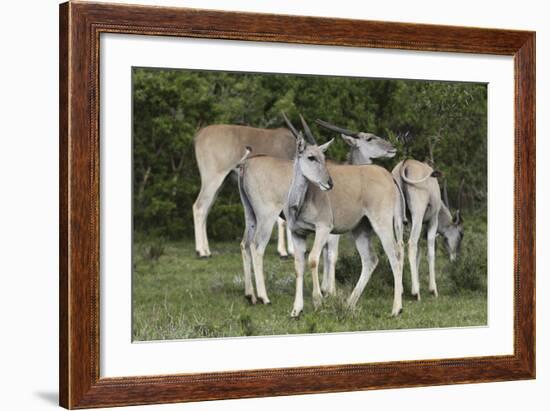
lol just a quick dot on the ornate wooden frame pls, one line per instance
(80, 27)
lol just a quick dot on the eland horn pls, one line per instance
(290, 125)
(337, 129)
(309, 134)
(445, 195)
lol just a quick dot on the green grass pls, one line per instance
(176, 295)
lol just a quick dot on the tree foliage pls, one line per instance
(448, 122)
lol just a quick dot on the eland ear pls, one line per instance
(325, 146)
(300, 142)
(350, 141)
(458, 218)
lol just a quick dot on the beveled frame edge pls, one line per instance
(80, 27)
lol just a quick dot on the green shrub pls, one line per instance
(469, 271)
(349, 266)
(337, 306)
(226, 222)
(311, 326)
(247, 325)
(154, 249)
(203, 329)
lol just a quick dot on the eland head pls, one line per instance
(364, 146)
(310, 157)
(453, 233)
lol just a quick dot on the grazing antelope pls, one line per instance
(423, 197)
(262, 206)
(218, 149)
(356, 199)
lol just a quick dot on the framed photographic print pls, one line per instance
(258, 205)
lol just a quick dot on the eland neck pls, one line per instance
(445, 218)
(297, 194)
(355, 157)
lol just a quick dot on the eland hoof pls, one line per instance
(203, 254)
(251, 299)
(295, 313)
(264, 301)
(397, 312)
(318, 301)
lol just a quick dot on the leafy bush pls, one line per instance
(226, 222)
(154, 249)
(469, 271)
(337, 306)
(201, 328)
(247, 325)
(349, 266)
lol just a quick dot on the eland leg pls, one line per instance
(249, 231)
(257, 248)
(321, 237)
(247, 267)
(281, 232)
(300, 267)
(325, 282)
(418, 261)
(414, 237)
(330, 253)
(201, 208)
(289, 242)
(432, 231)
(391, 248)
(363, 243)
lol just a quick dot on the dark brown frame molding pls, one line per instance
(81, 24)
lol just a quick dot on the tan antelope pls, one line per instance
(423, 197)
(256, 175)
(356, 199)
(218, 149)
(364, 147)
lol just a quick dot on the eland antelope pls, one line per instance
(262, 206)
(423, 197)
(325, 199)
(218, 149)
(364, 147)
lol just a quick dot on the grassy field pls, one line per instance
(176, 295)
